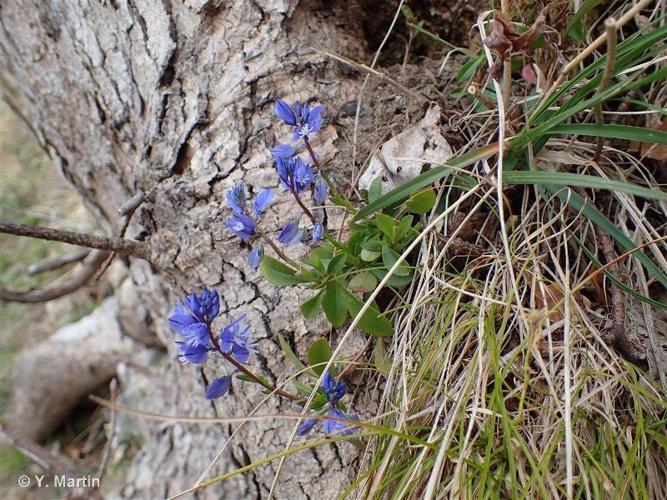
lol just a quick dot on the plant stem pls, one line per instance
(278, 251)
(610, 28)
(305, 209)
(247, 372)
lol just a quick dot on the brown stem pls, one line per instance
(316, 162)
(118, 245)
(305, 209)
(250, 374)
(279, 252)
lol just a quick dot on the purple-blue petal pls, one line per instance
(262, 201)
(195, 355)
(320, 191)
(218, 388)
(306, 426)
(196, 334)
(290, 234)
(283, 152)
(284, 112)
(334, 389)
(236, 198)
(241, 225)
(255, 257)
(331, 426)
(318, 232)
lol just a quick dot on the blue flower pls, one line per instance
(218, 388)
(295, 175)
(335, 427)
(262, 201)
(290, 234)
(318, 232)
(283, 152)
(237, 340)
(305, 119)
(285, 113)
(320, 191)
(306, 426)
(255, 257)
(334, 389)
(195, 355)
(236, 198)
(192, 317)
(241, 225)
(310, 120)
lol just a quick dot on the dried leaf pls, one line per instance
(504, 37)
(528, 74)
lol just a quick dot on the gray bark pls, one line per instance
(175, 99)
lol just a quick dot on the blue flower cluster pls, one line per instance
(242, 222)
(295, 176)
(334, 391)
(192, 319)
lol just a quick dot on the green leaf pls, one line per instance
(337, 263)
(289, 353)
(332, 304)
(567, 179)
(575, 27)
(312, 306)
(365, 281)
(386, 224)
(641, 134)
(375, 189)
(389, 258)
(406, 189)
(278, 273)
(394, 280)
(371, 322)
(368, 255)
(404, 226)
(319, 352)
(421, 202)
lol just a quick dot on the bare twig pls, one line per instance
(119, 245)
(88, 268)
(58, 262)
(610, 28)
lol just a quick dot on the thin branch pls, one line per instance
(118, 245)
(58, 262)
(87, 270)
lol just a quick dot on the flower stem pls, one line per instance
(305, 209)
(279, 252)
(248, 373)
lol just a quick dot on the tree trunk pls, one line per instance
(175, 99)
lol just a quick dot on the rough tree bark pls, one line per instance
(174, 98)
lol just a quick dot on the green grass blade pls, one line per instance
(413, 185)
(640, 134)
(589, 181)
